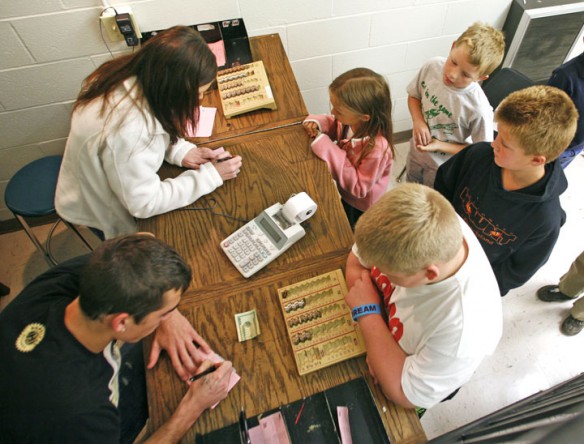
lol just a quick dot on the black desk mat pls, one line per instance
(313, 420)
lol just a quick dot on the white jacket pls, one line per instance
(109, 172)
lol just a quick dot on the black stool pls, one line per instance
(31, 193)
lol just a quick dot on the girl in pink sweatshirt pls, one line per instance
(355, 141)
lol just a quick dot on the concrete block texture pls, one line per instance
(34, 125)
(332, 36)
(13, 52)
(261, 14)
(67, 35)
(407, 24)
(43, 84)
(313, 73)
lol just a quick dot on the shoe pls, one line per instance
(571, 326)
(552, 293)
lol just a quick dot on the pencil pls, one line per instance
(203, 373)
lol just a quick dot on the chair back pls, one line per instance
(503, 83)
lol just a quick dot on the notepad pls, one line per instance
(205, 125)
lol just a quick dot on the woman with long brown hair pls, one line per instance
(132, 114)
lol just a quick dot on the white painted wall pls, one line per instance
(49, 46)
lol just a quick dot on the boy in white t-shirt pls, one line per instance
(448, 107)
(441, 310)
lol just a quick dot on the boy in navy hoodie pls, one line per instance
(508, 191)
(569, 77)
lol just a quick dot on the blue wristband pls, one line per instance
(366, 309)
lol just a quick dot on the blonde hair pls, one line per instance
(363, 91)
(543, 120)
(409, 228)
(486, 46)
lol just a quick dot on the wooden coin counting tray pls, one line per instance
(319, 322)
(244, 88)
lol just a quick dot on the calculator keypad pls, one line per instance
(249, 249)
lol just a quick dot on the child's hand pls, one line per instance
(421, 134)
(311, 128)
(362, 292)
(432, 147)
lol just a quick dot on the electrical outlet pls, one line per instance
(110, 26)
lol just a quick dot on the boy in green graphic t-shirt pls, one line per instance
(448, 107)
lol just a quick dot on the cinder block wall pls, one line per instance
(50, 46)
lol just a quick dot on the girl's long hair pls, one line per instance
(363, 91)
(169, 68)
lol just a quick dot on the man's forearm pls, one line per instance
(176, 427)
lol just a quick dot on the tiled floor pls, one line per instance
(532, 356)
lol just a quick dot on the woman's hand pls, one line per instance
(198, 156)
(228, 169)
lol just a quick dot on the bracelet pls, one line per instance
(366, 309)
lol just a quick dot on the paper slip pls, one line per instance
(247, 325)
(205, 124)
(272, 430)
(216, 359)
(344, 425)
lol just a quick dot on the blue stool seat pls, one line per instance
(31, 193)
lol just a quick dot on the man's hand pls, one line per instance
(180, 340)
(198, 156)
(362, 292)
(212, 388)
(202, 394)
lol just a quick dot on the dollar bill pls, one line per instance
(247, 324)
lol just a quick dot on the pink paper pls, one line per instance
(274, 429)
(205, 125)
(216, 359)
(256, 435)
(344, 425)
(218, 48)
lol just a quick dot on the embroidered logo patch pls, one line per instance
(31, 336)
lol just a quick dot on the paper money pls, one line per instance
(247, 325)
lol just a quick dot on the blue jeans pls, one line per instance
(570, 154)
(420, 167)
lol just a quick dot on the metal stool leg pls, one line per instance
(399, 177)
(78, 233)
(50, 260)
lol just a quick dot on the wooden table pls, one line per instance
(272, 171)
(291, 108)
(276, 164)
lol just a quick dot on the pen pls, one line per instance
(243, 428)
(223, 159)
(203, 373)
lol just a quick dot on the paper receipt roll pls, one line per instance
(299, 208)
